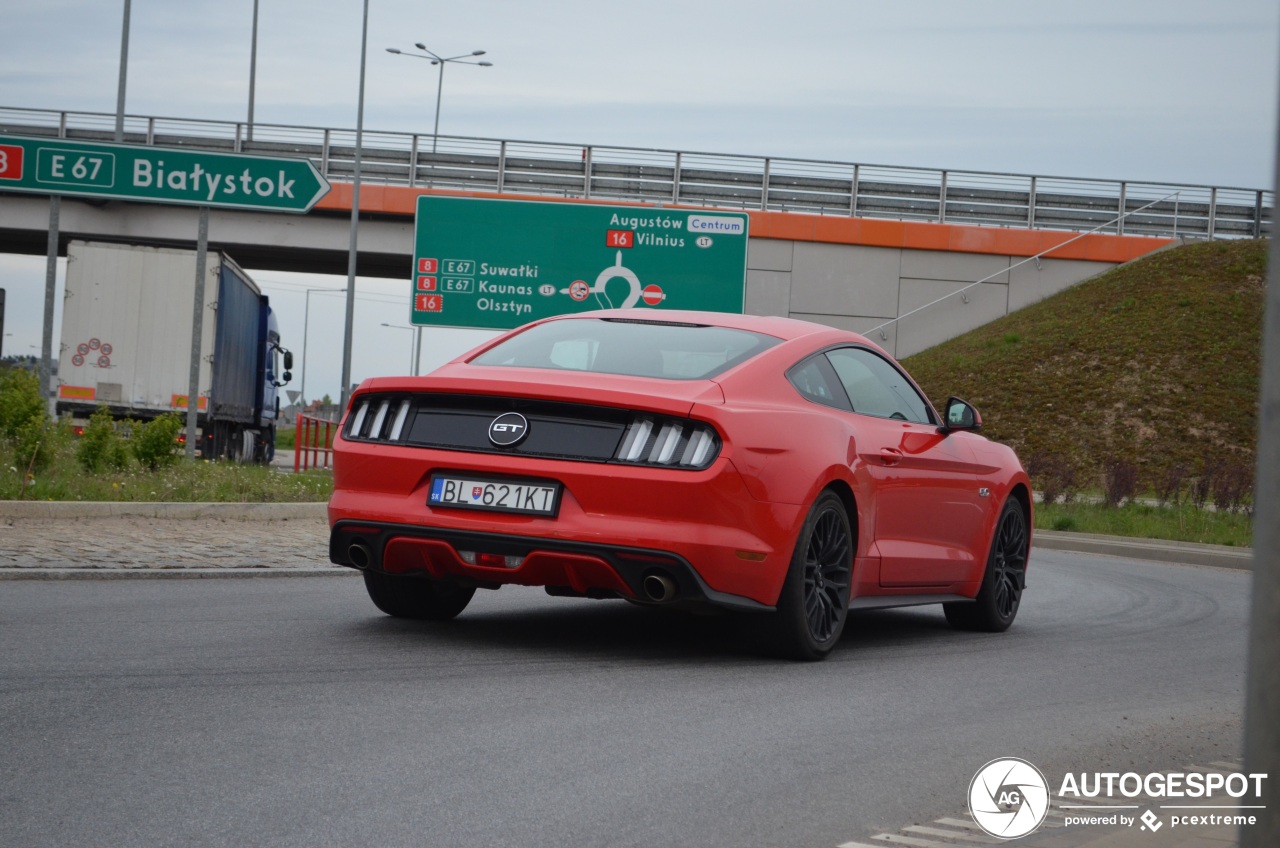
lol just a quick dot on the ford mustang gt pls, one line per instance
(783, 469)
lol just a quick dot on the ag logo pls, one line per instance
(1008, 798)
(508, 429)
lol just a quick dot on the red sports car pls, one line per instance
(765, 465)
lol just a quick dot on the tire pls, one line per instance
(814, 601)
(418, 598)
(997, 602)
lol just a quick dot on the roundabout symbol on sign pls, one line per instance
(652, 295)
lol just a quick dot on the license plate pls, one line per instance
(496, 494)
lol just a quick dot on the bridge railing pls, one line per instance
(708, 179)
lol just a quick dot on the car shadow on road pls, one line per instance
(619, 631)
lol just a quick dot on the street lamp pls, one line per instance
(433, 58)
(413, 366)
(436, 59)
(306, 325)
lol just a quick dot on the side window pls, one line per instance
(877, 388)
(814, 379)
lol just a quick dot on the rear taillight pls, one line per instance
(380, 418)
(669, 442)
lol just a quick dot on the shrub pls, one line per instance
(1230, 486)
(1169, 486)
(155, 442)
(1054, 475)
(20, 403)
(27, 436)
(101, 446)
(1200, 488)
(1064, 522)
(1120, 482)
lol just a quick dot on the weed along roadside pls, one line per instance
(44, 460)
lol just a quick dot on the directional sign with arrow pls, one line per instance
(159, 174)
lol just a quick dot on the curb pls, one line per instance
(1154, 550)
(68, 510)
(167, 573)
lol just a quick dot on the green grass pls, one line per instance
(64, 480)
(287, 437)
(1181, 523)
(1155, 363)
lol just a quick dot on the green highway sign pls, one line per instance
(159, 174)
(497, 264)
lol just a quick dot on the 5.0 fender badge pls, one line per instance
(508, 429)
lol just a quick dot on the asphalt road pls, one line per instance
(289, 712)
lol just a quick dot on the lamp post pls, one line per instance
(306, 325)
(413, 366)
(435, 59)
(352, 251)
(253, 72)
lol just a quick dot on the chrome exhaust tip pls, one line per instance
(658, 588)
(360, 555)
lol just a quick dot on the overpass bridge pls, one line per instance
(849, 244)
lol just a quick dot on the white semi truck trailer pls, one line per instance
(126, 344)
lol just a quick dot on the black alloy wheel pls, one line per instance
(827, 566)
(997, 602)
(814, 602)
(1010, 563)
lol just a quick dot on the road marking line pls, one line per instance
(959, 823)
(899, 839)
(952, 834)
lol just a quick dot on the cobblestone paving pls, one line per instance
(140, 543)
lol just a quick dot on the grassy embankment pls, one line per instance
(1143, 381)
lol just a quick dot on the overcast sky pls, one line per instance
(1158, 90)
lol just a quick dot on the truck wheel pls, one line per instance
(416, 597)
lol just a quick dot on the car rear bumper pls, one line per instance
(703, 529)
(565, 568)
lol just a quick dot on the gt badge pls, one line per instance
(508, 429)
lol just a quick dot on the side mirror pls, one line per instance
(960, 415)
(287, 377)
(288, 362)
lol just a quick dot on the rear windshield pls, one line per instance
(633, 348)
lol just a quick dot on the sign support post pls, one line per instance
(197, 332)
(50, 290)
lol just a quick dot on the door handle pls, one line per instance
(889, 456)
